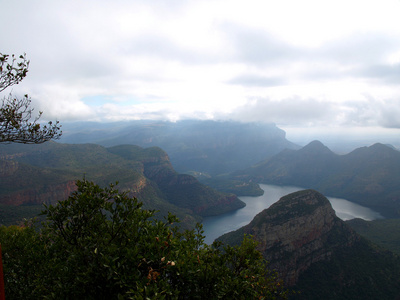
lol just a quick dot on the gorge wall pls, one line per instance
(296, 232)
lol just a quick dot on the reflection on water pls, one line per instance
(347, 210)
(218, 225)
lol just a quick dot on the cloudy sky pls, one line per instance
(299, 64)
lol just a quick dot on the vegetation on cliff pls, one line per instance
(102, 244)
(33, 174)
(319, 254)
(385, 232)
(362, 271)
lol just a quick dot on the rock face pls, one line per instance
(181, 190)
(317, 254)
(46, 173)
(296, 232)
(39, 196)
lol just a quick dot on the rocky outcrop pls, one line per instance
(297, 231)
(50, 194)
(179, 189)
(46, 173)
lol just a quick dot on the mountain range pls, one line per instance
(204, 147)
(312, 250)
(209, 150)
(368, 176)
(46, 173)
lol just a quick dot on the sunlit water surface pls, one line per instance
(218, 225)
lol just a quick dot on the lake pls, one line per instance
(218, 225)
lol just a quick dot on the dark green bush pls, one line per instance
(101, 244)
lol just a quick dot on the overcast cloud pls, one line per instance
(295, 63)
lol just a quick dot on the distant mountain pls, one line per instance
(318, 254)
(202, 146)
(369, 175)
(33, 174)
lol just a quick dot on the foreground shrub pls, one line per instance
(101, 244)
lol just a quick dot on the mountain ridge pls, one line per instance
(212, 147)
(46, 173)
(368, 175)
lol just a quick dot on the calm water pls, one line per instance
(218, 225)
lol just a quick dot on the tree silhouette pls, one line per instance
(16, 122)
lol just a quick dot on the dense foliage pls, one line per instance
(33, 174)
(101, 244)
(383, 232)
(359, 272)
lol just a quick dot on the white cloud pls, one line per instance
(289, 62)
(288, 111)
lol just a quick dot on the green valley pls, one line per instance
(36, 174)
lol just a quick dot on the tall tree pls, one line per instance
(16, 122)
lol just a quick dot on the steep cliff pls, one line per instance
(182, 190)
(22, 184)
(317, 253)
(35, 174)
(297, 231)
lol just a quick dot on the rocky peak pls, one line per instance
(316, 147)
(297, 231)
(294, 206)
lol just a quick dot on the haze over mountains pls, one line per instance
(152, 161)
(46, 173)
(202, 146)
(367, 175)
(252, 153)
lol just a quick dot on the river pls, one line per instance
(218, 225)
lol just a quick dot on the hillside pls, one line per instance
(318, 254)
(368, 176)
(209, 147)
(385, 233)
(33, 174)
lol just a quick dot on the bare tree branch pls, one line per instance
(16, 123)
(12, 73)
